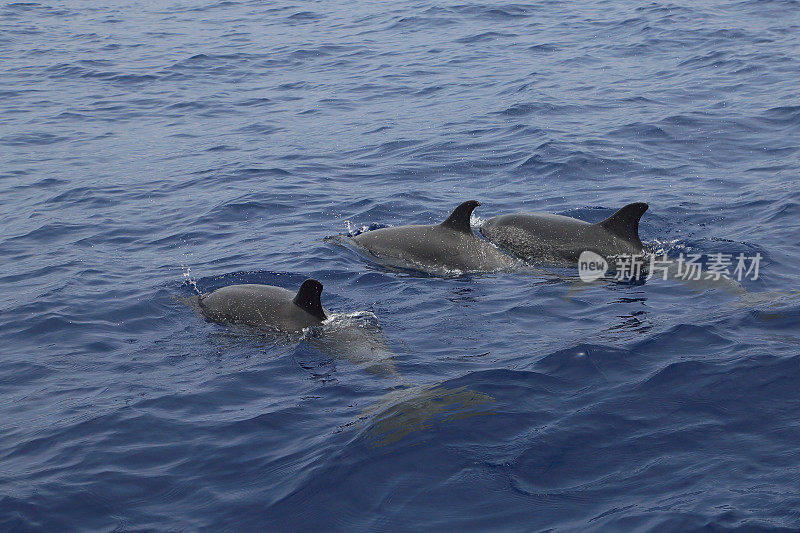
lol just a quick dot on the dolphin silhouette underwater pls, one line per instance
(450, 246)
(264, 306)
(558, 238)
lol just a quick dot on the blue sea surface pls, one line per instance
(151, 150)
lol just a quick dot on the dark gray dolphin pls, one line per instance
(546, 237)
(356, 337)
(265, 306)
(441, 248)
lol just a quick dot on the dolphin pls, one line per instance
(450, 246)
(356, 337)
(404, 411)
(264, 306)
(557, 238)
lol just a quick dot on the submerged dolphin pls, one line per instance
(449, 246)
(402, 412)
(265, 306)
(546, 237)
(358, 338)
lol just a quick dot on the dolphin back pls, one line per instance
(261, 306)
(443, 249)
(548, 237)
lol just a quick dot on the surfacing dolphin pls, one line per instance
(547, 237)
(356, 337)
(449, 247)
(265, 306)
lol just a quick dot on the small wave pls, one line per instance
(32, 139)
(483, 37)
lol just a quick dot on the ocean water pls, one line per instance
(149, 150)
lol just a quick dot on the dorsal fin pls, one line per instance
(459, 218)
(625, 222)
(308, 298)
